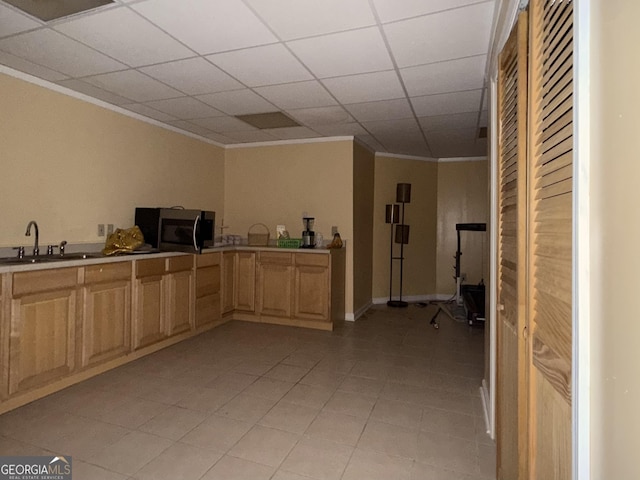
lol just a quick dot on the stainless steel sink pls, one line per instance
(79, 256)
(30, 259)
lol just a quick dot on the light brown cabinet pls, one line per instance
(245, 282)
(180, 299)
(312, 287)
(207, 304)
(148, 302)
(106, 312)
(42, 342)
(274, 284)
(229, 260)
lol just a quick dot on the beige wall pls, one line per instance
(615, 230)
(420, 252)
(462, 198)
(70, 165)
(363, 205)
(276, 184)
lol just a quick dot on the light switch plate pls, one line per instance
(101, 229)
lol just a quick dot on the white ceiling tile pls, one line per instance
(391, 128)
(371, 142)
(149, 112)
(321, 116)
(444, 77)
(306, 18)
(266, 65)
(190, 127)
(252, 136)
(457, 143)
(297, 95)
(381, 110)
(347, 53)
(291, 133)
(184, 108)
(206, 26)
(224, 124)
(447, 103)
(93, 91)
(125, 36)
(57, 52)
(31, 68)
(448, 122)
(12, 21)
(365, 87)
(391, 10)
(452, 34)
(339, 130)
(223, 139)
(193, 76)
(133, 85)
(238, 102)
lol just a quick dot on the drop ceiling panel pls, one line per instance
(368, 86)
(57, 52)
(372, 143)
(125, 36)
(297, 95)
(382, 110)
(321, 116)
(463, 32)
(307, 18)
(149, 112)
(238, 102)
(266, 65)
(193, 76)
(447, 103)
(184, 108)
(340, 130)
(457, 143)
(31, 68)
(93, 91)
(223, 124)
(133, 85)
(190, 127)
(12, 21)
(207, 26)
(253, 136)
(392, 127)
(292, 133)
(392, 10)
(445, 77)
(223, 139)
(347, 53)
(449, 122)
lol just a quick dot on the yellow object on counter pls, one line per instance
(123, 241)
(336, 242)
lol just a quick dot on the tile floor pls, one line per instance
(387, 397)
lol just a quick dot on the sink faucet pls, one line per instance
(36, 250)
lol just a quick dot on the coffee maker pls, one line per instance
(308, 235)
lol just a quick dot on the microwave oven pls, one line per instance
(177, 229)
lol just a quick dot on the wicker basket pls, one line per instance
(258, 235)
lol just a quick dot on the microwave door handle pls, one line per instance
(195, 227)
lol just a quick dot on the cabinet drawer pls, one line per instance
(108, 272)
(275, 257)
(208, 259)
(180, 264)
(207, 281)
(312, 259)
(150, 267)
(40, 281)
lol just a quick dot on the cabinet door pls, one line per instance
(42, 338)
(179, 288)
(149, 311)
(274, 284)
(106, 321)
(245, 295)
(311, 293)
(207, 295)
(229, 260)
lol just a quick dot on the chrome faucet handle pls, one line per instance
(61, 247)
(20, 251)
(50, 249)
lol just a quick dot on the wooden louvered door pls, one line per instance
(549, 301)
(511, 406)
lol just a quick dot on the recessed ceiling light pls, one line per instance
(268, 120)
(47, 10)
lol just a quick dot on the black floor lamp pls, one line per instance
(393, 216)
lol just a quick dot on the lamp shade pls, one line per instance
(392, 214)
(403, 193)
(402, 234)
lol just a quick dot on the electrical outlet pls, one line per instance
(463, 276)
(334, 230)
(101, 229)
(110, 229)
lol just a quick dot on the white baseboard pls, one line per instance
(352, 317)
(484, 395)
(432, 297)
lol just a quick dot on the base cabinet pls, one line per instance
(208, 309)
(274, 284)
(245, 282)
(229, 260)
(179, 289)
(42, 342)
(312, 294)
(106, 313)
(149, 302)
